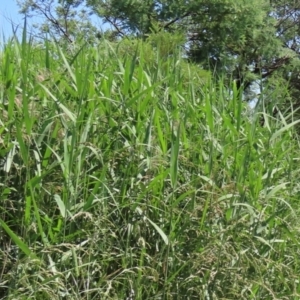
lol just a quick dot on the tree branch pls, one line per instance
(115, 25)
(165, 26)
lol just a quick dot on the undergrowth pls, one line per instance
(123, 176)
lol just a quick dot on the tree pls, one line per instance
(139, 16)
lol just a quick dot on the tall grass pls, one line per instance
(124, 176)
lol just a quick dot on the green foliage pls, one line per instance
(136, 16)
(122, 171)
(161, 44)
(234, 39)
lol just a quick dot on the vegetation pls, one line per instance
(246, 41)
(129, 173)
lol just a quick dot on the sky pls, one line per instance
(9, 16)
